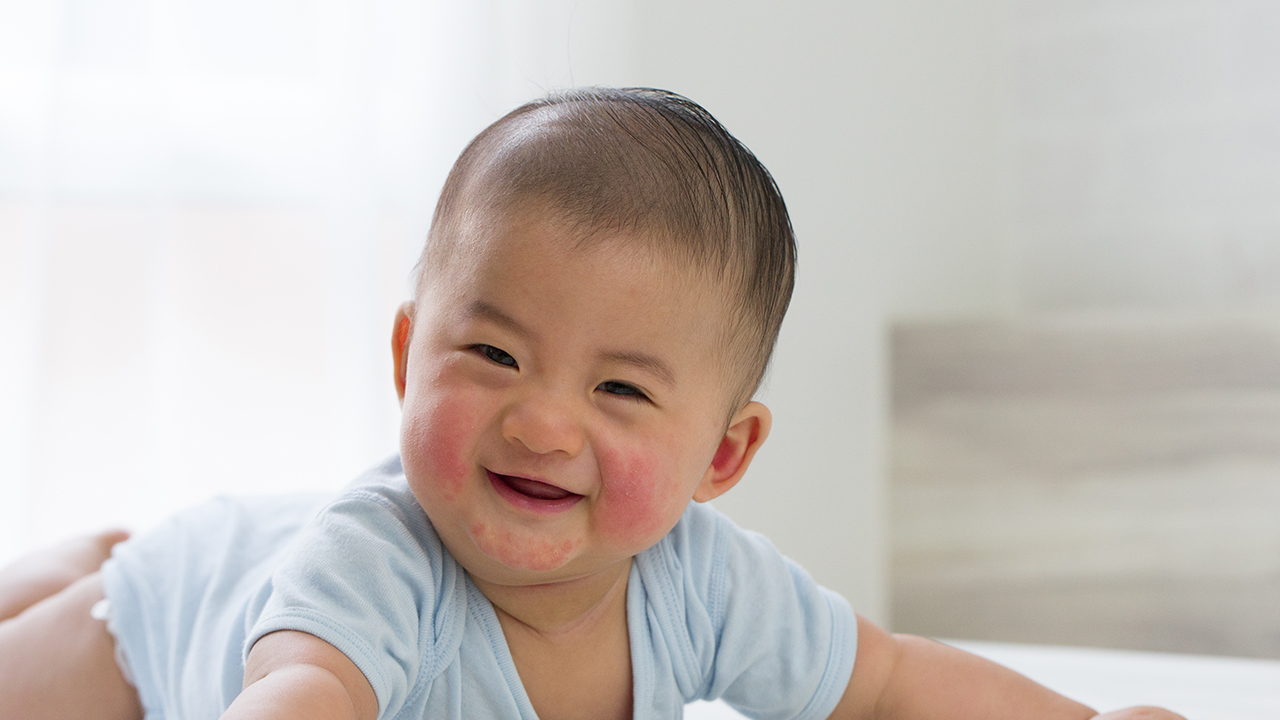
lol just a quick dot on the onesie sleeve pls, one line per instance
(368, 576)
(776, 644)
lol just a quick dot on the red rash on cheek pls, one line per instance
(443, 451)
(638, 497)
(438, 437)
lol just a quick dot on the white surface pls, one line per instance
(1196, 686)
(717, 710)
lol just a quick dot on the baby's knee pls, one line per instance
(47, 572)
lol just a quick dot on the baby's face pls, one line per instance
(560, 407)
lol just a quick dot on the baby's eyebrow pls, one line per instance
(644, 361)
(490, 312)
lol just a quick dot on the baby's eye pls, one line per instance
(497, 355)
(622, 389)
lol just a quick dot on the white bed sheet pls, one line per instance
(1197, 686)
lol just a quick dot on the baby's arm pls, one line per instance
(292, 675)
(910, 678)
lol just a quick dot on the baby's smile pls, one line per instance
(533, 494)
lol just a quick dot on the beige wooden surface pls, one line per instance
(1112, 483)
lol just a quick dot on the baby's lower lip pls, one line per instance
(531, 494)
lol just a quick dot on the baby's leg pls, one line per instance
(57, 662)
(47, 572)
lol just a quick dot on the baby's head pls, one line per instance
(645, 166)
(603, 283)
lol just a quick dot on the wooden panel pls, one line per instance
(1107, 483)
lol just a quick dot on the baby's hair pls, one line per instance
(639, 163)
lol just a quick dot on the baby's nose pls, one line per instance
(544, 425)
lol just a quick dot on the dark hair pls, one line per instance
(641, 161)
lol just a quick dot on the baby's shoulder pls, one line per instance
(379, 503)
(369, 576)
(697, 565)
(372, 535)
(732, 617)
(705, 539)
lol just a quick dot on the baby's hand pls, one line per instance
(1140, 713)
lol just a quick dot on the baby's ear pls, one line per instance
(400, 344)
(746, 433)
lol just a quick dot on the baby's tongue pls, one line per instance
(535, 489)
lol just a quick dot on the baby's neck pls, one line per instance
(570, 644)
(562, 609)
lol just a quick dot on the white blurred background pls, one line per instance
(209, 209)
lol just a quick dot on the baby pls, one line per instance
(599, 295)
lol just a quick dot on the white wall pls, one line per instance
(1147, 146)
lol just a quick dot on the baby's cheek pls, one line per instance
(436, 439)
(641, 499)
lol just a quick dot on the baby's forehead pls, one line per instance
(611, 170)
(497, 232)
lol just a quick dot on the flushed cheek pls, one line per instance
(641, 498)
(525, 552)
(437, 440)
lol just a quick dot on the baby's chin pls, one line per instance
(520, 553)
(503, 567)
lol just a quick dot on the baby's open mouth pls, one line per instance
(534, 489)
(533, 495)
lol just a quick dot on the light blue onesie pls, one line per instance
(712, 610)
